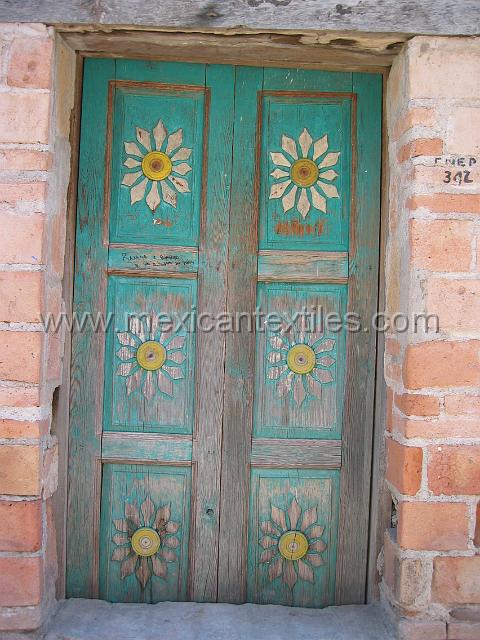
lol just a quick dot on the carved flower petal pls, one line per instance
(148, 388)
(326, 361)
(168, 555)
(294, 513)
(159, 567)
(182, 169)
(318, 200)
(289, 145)
(131, 512)
(127, 338)
(275, 356)
(143, 572)
(330, 190)
(121, 525)
(171, 542)
(176, 342)
(144, 138)
(137, 328)
(315, 387)
(280, 159)
(275, 569)
(147, 509)
(172, 527)
(120, 553)
(169, 195)
(305, 572)
(284, 385)
(125, 353)
(288, 200)
(303, 203)
(326, 345)
(137, 192)
(289, 574)
(309, 518)
(266, 542)
(180, 183)
(162, 517)
(119, 539)
(318, 545)
(316, 531)
(131, 163)
(275, 372)
(153, 198)
(177, 356)
(323, 375)
(328, 175)
(126, 368)
(279, 173)
(131, 178)
(165, 384)
(330, 160)
(132, 149)
(278, 517)
(128, 566)
(277, 342)
(320, 147)
(269, 527)
(159, 133)
(133, 381)
(314, 559)
(299, 393)
(305, 141)
(182, 154)
(174, 141)
(174, 372)
(267, 555)
(278, 189)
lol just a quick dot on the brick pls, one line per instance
(458, 427)
(23, 241)
(441, 245)
(417, 405)
(434, 67)
(476, 537)
(464, 624)
(417, 116)
(411, 629)
(393, 372)
(463, 131)
(22, 619)
(466, 405)
(20, 525)
(436, 526)
(454, 470)
(456, 580)
(19, 470)
(24, 160)
(23, 428)
(57, 245)
(436, 175)
(392, 347)
(455, 302)
(404, 467)
(20, 357)
(408, 579)
(30, 63)
(24, 117)
(20, 581)
(14, 192)
(446, 203)
(21, 293)
(19, 397)
(389, 408)
(420, 147)
(442, 364)
(50, 471)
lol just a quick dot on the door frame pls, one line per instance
(185, 47)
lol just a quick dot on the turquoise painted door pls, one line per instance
(221, 413)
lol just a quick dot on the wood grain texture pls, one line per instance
(212, 274)
(159, 259)
(360, 380)
(268, 452)
(302, 266)
(152, 447)
(240, 346)
(86, 400)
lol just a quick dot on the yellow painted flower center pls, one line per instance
(293, 545)
(145, 541)
(151, 355)
(301, 359)
(156, 165)
(304, 172)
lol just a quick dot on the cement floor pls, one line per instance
(99, 620)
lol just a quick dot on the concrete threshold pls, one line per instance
(79, 619)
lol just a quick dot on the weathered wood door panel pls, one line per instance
(216, 464)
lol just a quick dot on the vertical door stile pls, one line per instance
(240, 344)
(211, 344)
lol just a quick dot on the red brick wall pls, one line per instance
(431, 559)
(30, 284)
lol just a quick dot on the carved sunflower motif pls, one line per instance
(291, 543)
(161, 163)
(303, 173)
(300, 362)
(150, 358)
(145, 541)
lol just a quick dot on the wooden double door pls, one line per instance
(222, 397)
